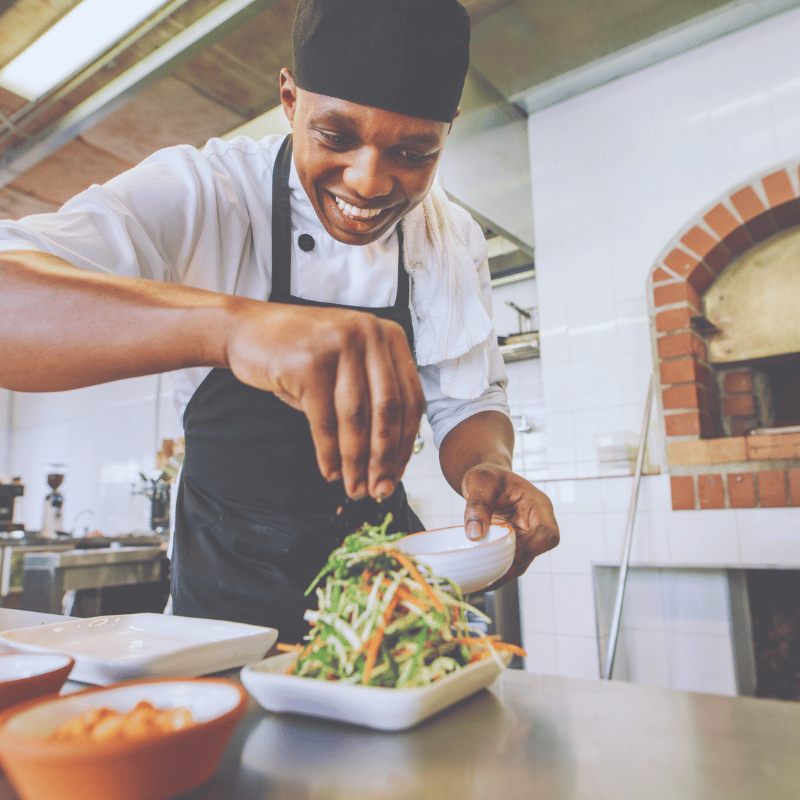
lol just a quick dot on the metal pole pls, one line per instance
(626, 553)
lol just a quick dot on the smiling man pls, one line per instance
(363, 168)
(313, 295)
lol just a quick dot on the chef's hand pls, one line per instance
(352, 375)
(476, 458)
(349, 372)
(495, 494)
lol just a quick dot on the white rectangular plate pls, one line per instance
(125, 646)
(372, 706)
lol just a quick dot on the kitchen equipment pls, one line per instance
(53, 520)
(524, 344)
(372, 706)
(450, 554)
(155, 767)
(14, 546)
(49, 575)
(24, 676)
(9, 492)
(116, 648)
(158, 491)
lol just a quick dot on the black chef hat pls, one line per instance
(408, 56)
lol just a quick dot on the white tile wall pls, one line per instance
(541, 650)
(576, 656)
(536, 608)
(769, 536)
(105, 436)
(616, 172)
(435, 502)
(704, 537)
(701, 663)
(643, 656)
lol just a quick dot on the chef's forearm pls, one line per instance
(484, 438)
(64, 328)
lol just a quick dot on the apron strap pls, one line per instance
(282, 220)
(402, 300)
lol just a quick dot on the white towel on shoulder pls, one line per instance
(451, 317)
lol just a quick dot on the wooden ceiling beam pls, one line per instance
(168, 113)
(68, 171)
(15, 204)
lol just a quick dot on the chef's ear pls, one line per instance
(288, 95)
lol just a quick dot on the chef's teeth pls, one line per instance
(352, 211)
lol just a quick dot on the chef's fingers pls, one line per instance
(398, 403)
(530, 544)
(531, 513)
(357, 424)
(481, 488)
(353, 406)
(318, 405)
(536, 526)
(413, 399)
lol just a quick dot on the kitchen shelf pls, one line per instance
(519, 346)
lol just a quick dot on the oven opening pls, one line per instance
(761, 396)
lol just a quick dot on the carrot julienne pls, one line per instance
(409, 564)
(372, 652)
(384, 619)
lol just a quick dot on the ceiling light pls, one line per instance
(75, 40)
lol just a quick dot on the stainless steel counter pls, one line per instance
(49, 575)
(10, 544)
(530, 736)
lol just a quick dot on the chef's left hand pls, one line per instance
(495, 494)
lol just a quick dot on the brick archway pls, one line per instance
(710, 470)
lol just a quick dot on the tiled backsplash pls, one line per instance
(105, 436)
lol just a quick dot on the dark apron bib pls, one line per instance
(253, 522)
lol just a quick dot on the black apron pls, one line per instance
(255, 519)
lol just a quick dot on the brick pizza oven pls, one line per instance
(725, 324)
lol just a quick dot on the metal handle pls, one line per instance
(520, 311)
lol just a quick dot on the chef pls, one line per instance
(312, 295)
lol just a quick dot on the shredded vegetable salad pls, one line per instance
(385, 620)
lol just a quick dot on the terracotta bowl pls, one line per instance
(156, 767)
(471, 565)
(24, 676)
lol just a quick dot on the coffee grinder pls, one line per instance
(53, 522)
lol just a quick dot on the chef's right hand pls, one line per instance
(352, 375)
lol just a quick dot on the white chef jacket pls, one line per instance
(204, 219)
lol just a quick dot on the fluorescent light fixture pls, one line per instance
(76, 39)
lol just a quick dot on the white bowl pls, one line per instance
(450, 554)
